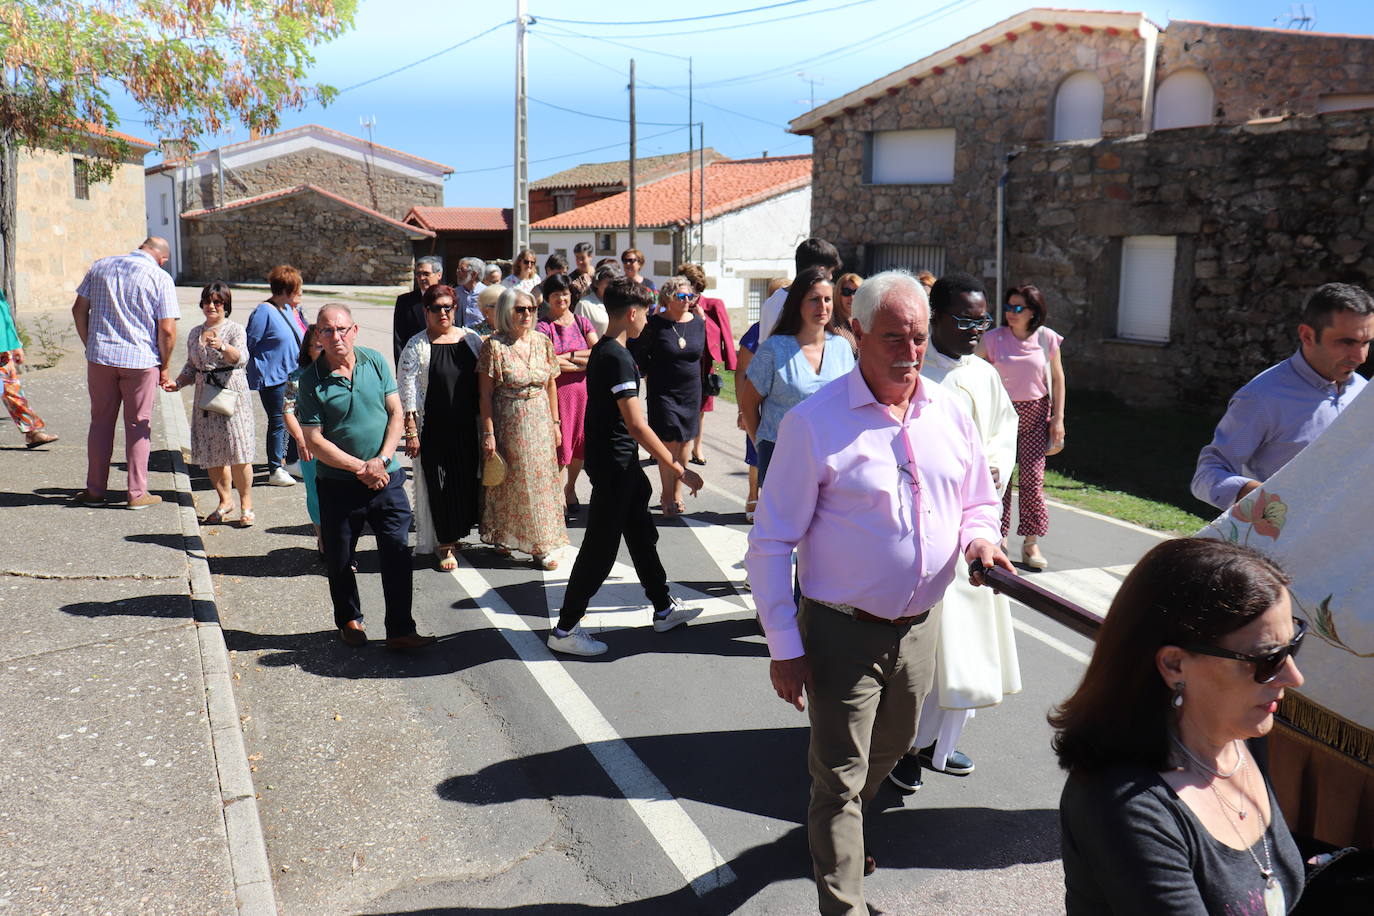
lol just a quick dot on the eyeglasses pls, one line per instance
(1267, 666)
(526, 309)
(426, 273)
(848, 290)
(326, 331)
(528, 263)
(1017, 309)
(684, 297)
(630, 261)
(436, 309)
(973, 324)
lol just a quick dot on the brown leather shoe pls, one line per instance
(870, 865)
(353, 634)
(413, 641)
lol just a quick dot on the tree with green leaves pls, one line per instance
(194, 67)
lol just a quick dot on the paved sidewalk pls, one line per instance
(124, 786)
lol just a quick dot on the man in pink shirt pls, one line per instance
(879, 481)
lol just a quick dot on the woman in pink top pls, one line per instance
(1025, 354)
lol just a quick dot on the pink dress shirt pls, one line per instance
(869, 532)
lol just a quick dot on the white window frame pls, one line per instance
(1145, 298)
(912, 156)
(1181, 107)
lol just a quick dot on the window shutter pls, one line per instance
(1147, 287)
(913, 156)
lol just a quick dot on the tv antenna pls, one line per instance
(811, 80)
(1300, 16)
(368, 124)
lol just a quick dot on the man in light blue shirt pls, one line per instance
(1287, 406)
(467, 284)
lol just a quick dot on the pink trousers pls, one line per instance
(112, 387)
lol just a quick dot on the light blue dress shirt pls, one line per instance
(467, 301)
(1272, 418)
(781, 374)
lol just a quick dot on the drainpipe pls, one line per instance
(1001, 229)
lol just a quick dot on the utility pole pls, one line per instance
(687, 248)
(520, 211)
(701, 160)
(632, 154)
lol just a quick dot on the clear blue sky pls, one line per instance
(457, 108)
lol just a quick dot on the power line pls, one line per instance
(771, 6)
(588, 114)
(744, 25)
(569, 33)
(427, 58)
(595, 149)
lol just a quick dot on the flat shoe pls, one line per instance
(542, 562)
(353, 634)
(37, 438)
(216, 517)
(413, 641)
(699, 461)
(1034, 560)
(247, 519)
(447, 561)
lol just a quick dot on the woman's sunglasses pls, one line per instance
(1267, 666)
(526, 309)
(684, 297)
(436, 309)
(848, 290)
(1018, 309)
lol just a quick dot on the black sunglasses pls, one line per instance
(526, 309)
(848, 290)
(1267, 666)
(436, 309)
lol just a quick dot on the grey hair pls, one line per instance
(670, 286)
(505, 308)
(476, 265)
(879, 289)
(607, 272)
(333, 307)
(432, 261)
(489, 268)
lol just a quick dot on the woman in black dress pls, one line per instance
(669, 352)
(437, 378)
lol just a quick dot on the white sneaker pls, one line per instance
(279, 478)
(577, 642)
(294, 469)
(678, 614)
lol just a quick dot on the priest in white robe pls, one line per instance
(975, 664)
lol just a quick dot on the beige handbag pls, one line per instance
(215, 397)
(494, 471)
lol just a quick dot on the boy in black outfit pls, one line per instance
(620, 490)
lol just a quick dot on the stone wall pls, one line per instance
(1263, 213)
(375, 187)
(1260, 73)
(59, 236)
(995, 102)
(327, 241)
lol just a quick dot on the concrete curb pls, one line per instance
(253, 888)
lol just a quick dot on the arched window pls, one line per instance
(1078, 107)
(1184, 99)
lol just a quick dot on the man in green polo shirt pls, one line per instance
(350, 413)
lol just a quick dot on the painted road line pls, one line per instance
(699, 862)
(1091, 587)
(726, 547)
(1057, 644)
(620, 603)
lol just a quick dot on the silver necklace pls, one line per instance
(1204, 768)
(1274, 902)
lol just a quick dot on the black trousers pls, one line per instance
(344, 506)
(619, 508)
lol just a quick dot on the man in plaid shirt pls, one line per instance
(126, 314)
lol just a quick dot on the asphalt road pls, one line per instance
(665, 776)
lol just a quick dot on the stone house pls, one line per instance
(757, 211)
(462, 232)
(951, 153)
(218, 206)
(65, 222)
(592, 181)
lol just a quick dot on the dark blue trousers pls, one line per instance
(344, 506)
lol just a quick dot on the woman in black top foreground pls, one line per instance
(1165, 809)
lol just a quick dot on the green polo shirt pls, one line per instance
(350, 412)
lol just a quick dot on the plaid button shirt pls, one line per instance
(129, 294)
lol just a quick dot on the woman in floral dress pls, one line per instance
(222, 445)
(573, 337)
(519, 408)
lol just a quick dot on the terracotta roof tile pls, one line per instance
(592, 174)
(99, 131)
(461, 219)
(282, 193)
(730, 185)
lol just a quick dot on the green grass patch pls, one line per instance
(1147, 513)
(727, 386)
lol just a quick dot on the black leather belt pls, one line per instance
(866, 617)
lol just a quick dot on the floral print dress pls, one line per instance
(216, 440)
(525, 512)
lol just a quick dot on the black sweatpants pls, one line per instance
(619, 507)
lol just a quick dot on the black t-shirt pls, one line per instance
(611, 375)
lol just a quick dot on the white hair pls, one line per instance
(880, 289)
(476, 265)
(505, 308)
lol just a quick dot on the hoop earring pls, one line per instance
(1177, 701)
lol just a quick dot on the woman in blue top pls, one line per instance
(800, 358)
(275, 330)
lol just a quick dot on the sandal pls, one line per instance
(501, 551)
(541, 561)
(247, 519)
(216, 517)
(447, 561)
(671, 510)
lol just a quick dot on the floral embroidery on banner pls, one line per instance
(1264, 514)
